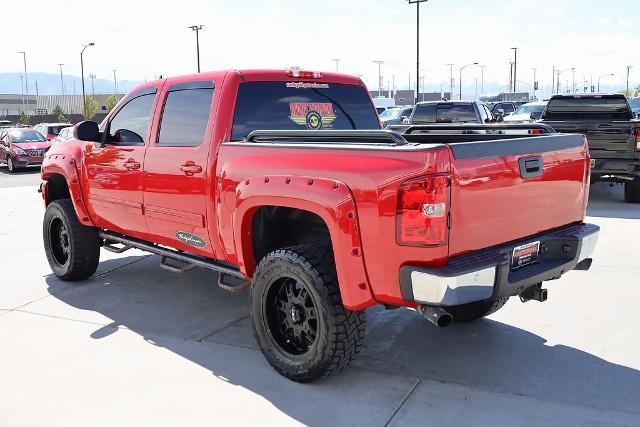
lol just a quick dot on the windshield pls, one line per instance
(444, 113)
(18, 136)
(301, 106)
(530, 108)
(392, 113)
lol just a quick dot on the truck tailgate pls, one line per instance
(509, 189)
(609, 136)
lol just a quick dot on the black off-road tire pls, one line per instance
(78, 258)
(475, 310)
(632, 191)
(339, 331)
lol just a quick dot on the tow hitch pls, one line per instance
(534, 292)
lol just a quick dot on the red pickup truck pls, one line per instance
(282, 181)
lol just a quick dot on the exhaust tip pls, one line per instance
(435, 315)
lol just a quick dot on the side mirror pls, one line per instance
(404, 120)
(500, 112)
(86, 131)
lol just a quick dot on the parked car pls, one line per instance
(383, 104)
(634, 104)
(527, 113)
(284, 185)
(65, 135)
(51, 130)
(450, 112)
(20, 147)
(614, 139)
(5, 124)
(396, 116)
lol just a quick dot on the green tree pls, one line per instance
(24, 119)
(90, 108)
(58, 111)
(111, 102)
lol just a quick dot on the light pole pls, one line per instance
(553, 80)
(629, 67)
(197, 29)
(417, 3)
(515, 69)
(573, 81)
(481, 80)
(84, 98)
(558, 72)
(379, 76)
(22, 90)
(26, 76)
(534, 82)
(604, 75)
(337, 61)
(451, 80)
(115, 84)
(61, 79)
(462, 68)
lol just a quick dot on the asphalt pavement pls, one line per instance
(137, 345)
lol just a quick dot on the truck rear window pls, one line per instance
(444, 113)
(588, 108)
(300, 106)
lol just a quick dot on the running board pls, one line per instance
(232, 284)
(166, 253)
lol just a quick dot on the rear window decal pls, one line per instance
(313, 115)
(303, 85)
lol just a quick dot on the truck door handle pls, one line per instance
(530, 167)
(132, 165)
(190, 168)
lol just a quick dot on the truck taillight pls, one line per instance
(638, 139)
(421, 215)
(298, 73)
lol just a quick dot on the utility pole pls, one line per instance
(451, 80)
(460, 82)
(26, 76)
(393, 86)
(61, 79)
(422, 84)
(22, 90)
(510, 76)
(379, 76)
(93, 89)
(629, 67)
(417, 3)
(553, 80)
(197, 29)
(337, 61)
(573, 84)
(482, 80)
(515, 69)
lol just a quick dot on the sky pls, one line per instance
(143, 39)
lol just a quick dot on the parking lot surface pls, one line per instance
(137, 344)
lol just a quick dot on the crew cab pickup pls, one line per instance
(282, 181)
(614, 137)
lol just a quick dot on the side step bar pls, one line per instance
(190, 260)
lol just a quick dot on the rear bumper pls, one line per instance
(487, 273)
(615, 167)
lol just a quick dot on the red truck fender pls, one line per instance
(58, 167)
(332, 201)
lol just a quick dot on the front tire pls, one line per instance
(632, 191)
(73, 250)
(10, 165)
(475, 310)
(298, 318)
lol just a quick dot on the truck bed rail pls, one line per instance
(385, 137)
(471, 127)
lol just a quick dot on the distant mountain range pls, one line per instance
(49, 84)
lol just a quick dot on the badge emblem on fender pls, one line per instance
(191, 239)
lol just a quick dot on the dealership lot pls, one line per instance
(139, 344)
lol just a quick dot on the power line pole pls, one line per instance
(93, 89)
(482, 80)
(197, 29)
(451, 80)
(629, 67)
(573, 82)
(553, 80)
(534, 82)
(26, 76)
(515, 69)
(115, 84)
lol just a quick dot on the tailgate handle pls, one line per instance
(530, 167)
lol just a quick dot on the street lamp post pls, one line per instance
(417, 3)
(379, 76)
(451, 80)
(460, 82)
(93, 89)
(629, 67)
(22, 90)
(61, 79)
(115, 84)
(573, 81)
(482, 80)
(534, 82)
(26, 76)
(558, 73)
(515, 68)
(337, 61)
(84, 99)
(604, 75)
(553, 80)
(197, 29)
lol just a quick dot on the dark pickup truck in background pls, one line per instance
(613, 135)
(431, 112)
